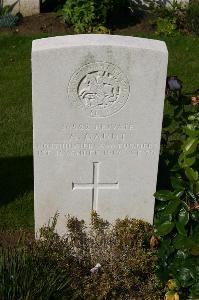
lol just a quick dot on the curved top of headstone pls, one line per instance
(98, 40)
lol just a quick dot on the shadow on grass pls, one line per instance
(16, 177)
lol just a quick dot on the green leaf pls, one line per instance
(181, 159)
(183, 216)
(189, 162)
(191, 130)
(195, 216)
(185, 277)
(175, 167)
(191, 117)
(166, 121)
(165, 249)
(181, 229)
(194, 290)
(177, 183)
(197, 187)
(5, 10)
(181, 242)
(160, 205)
(178, 194)
(172, 207)
(192, 196)
(161, 218)
(164, 195)
(191, 174)
(196, 234)
(182, 254)
(164, 228)
(190, 145)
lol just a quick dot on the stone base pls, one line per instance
(25, 7)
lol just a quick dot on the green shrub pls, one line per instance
(166, 26)
(185, 16)
(7, 9)
(177, 205)
(6, 17)
(105, 261)
(193, 16)
(79, 14)
(89, 14)
(168, 17)
(100, 262)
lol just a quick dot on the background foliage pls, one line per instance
(87, 15)
(167, 16)
(177, 206)
(193, 16)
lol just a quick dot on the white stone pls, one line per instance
(25, 7)
(97, 114)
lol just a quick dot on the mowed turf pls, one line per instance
(16, 172)
(16, 162)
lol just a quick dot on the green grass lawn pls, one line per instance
(16, 162)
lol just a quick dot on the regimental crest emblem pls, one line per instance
(100, 89)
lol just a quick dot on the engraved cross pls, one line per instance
(95, 186)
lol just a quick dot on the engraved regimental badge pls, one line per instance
(99, 89)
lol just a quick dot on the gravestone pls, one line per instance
(25, 7)
(97, 114)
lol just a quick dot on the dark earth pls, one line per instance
(52, 24)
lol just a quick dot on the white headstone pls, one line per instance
(97, 112)
(25, 7)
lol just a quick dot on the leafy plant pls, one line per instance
(166, 26)
(107, 261)
(193, 16)
(87, 15)
(79, 14)
(168, 16)
(177, 205)
(4, 10)
(172, 10)
(102, 261)
(7, 9)
(6, 18)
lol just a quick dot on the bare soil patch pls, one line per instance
(143, 26)
(52, 24)
(49, 23)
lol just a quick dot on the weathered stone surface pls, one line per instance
(97, 112)
(25, 7)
